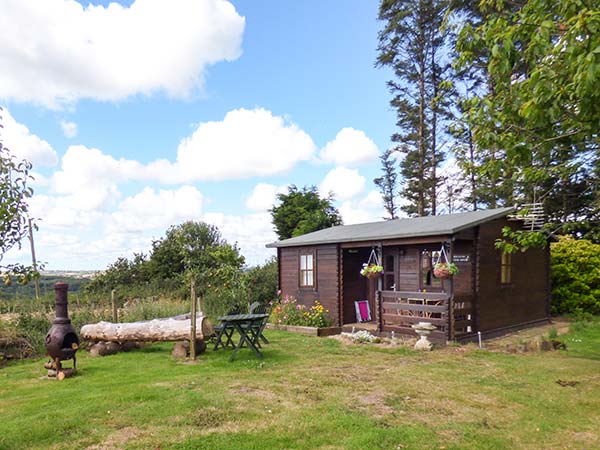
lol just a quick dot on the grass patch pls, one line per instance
(310, 393)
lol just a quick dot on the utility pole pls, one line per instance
(36, 280)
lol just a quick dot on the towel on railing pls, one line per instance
(363, 311)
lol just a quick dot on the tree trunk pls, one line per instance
(169, 329)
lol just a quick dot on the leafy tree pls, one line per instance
(192, 246)
(14, 194)
(191, 250)
(575, 276)
(414, 44)
(541, 105)
(262, 282)
(388, 184)
(303, 211)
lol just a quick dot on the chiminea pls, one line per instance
(62, 341)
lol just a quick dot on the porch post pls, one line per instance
(451, 296)
(378, 320)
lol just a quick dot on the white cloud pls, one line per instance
(264, 196)
(69, 129)
(157, 210)
(89, 168)
(343, 183)
(366, 209)
(55, 52)
(251, 232)
(23, 144)
(349, 148)
(245, 143)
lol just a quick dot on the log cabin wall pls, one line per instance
(326, 277)
(521, 301)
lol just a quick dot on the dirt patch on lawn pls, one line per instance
(118, 439)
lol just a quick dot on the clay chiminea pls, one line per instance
(62, 341)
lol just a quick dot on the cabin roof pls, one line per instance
(396, 229)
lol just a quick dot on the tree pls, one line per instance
(388, 184)
(262, 282)
(303, 211)
(414, 44)
(14, 194)
(542, 105)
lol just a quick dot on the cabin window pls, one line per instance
(506, 268)
(307, 270)
(428, 279)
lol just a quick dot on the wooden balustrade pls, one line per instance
(399, 310)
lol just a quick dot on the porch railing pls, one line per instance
(399, 310)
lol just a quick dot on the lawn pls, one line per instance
(311, 393)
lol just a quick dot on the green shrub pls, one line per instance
(575, 274)
(34, 327)
(150, 308)
(262, 282)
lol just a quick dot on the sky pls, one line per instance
(140, 115)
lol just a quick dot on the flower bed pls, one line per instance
(288, 311)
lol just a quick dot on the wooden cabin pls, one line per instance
(492, 293)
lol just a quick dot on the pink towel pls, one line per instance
(363, 307)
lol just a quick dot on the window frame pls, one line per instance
(312, 270)
(506, 265)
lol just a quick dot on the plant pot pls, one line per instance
(442, 273)
(372, 275)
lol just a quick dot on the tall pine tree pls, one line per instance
(414, 44)
(388, 184)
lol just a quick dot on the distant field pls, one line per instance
(312, 393)
(76, 281)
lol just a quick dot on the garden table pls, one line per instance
(246, 326)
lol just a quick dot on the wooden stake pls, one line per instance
(193, 321)
(114, 306)
(36, 281)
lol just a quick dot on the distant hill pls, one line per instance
(75, 279)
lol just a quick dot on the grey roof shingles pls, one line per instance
(396, 229)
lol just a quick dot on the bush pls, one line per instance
(575, 274)
(34, 327)
(148, 309)
(262, 282)
(289, 312)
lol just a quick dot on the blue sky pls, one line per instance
(143, 115)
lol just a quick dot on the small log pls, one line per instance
(168, 329)
(104, 348)
(49, 365)
(182, 349)
(51, 373)
(65, 373)
(179, 350)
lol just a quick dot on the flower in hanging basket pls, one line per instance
(371, 270)
(444, 270)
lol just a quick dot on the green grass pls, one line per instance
(310, 393)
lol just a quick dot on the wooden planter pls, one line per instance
(308, 331)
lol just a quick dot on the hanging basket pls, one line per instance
(443, 268)
(373, 275)
(372, 268)
(442, 271)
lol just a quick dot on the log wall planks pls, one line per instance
(524, 299)
(326, 277)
